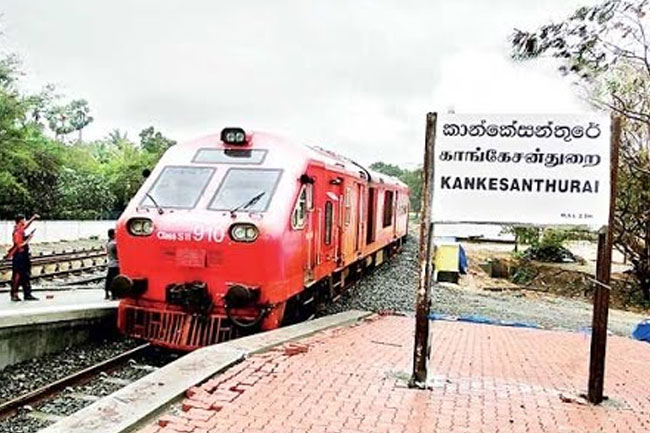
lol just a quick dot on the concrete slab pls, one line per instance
(35, 328)
(50, 300)
(137, 403)
(265, 341)
(36, 316)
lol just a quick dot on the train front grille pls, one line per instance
(177, 329)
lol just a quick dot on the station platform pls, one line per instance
(57, 320)
(53, 300)
(353, 379)
(54, 306)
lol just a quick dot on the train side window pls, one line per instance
(299, 214)
(328, 223)
(348, 205)
(388, 208)
(310, 196)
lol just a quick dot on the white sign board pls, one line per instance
(522, 169)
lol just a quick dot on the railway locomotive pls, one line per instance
(242, 231)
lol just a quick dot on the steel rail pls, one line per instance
(62, 272)
(11, 407)
(63, 256)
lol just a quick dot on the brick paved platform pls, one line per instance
(486, 379)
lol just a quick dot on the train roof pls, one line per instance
(373, 176)
(317, 153)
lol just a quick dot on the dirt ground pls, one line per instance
(554, 295)
(392, 287)
(569, 280)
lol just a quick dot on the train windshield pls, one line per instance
(246, 189)
(179, 187)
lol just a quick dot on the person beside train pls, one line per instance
(21, 265)
(112, 263)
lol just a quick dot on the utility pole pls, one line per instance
(421, 345)
(603, 273)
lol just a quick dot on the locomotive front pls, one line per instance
(202, 245)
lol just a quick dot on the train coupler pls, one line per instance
(193, 296)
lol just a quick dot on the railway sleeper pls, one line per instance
(6, 278)
(83, 397)
(44, 416)
(116, 380)
(64, 256)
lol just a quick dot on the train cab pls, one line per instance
(229, 229)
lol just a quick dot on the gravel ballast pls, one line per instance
(392, 287)
(72, 399)
(29, 375)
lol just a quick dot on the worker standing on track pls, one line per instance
(21, 264)
(111, 262)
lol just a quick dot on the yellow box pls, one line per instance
(446, 258)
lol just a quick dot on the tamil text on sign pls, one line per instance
(522, 169)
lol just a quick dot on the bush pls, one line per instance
(524, 275)
(550, 253)
(546, 245)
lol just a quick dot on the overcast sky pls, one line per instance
(353, 76)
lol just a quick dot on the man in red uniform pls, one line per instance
(21, 265)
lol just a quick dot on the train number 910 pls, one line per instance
(210, 234)
(199, 233)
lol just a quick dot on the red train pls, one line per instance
(242, 231)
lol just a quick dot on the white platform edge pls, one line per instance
(58, 313)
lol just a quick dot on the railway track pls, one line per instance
(36, 409)
(59, 256)
(61, 264)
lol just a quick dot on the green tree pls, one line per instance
(123, 170)
(65, 119)
(79, 115)
(605, 49)
(64, 180)
(58, 121)
(154, 142)
(389, 169)
(412, 178)
(29, 161)
(82, 195)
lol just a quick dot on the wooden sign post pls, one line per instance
(421, 347)
(603, 272)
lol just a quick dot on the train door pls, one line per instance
(352, 221)
(331, 232)
(395, 212)
(322, 230)
(302, 219)
(358, 236)
(348, 223)
(372, 216)
(311, 232)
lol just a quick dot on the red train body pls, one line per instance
(239, 232)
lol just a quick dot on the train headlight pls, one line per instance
(243, 232)
(140, 226)
(235, 136)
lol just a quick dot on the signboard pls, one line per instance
(522, 169)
